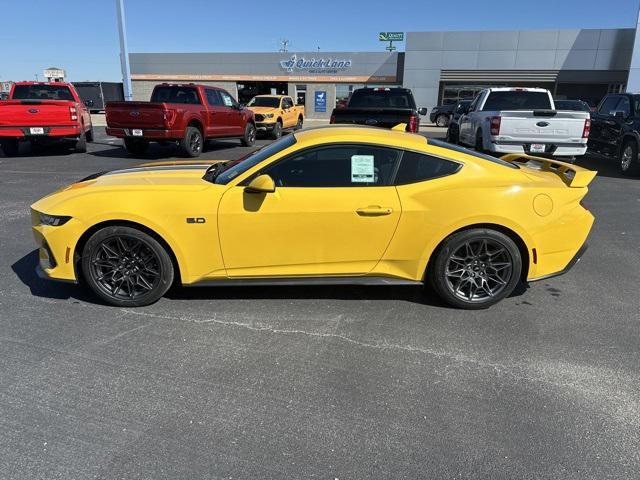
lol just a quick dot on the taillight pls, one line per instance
(169, 116)
(413, 124)
(332, 119)
(587, 128)
(495, 125)
(74, 113)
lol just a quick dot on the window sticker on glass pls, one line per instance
(227, 101)
(362, 170)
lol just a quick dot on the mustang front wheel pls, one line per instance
(476, 268)
(126, 267)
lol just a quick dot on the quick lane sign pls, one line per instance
(391, 36)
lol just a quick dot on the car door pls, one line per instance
(216, 114)
(289, 115)
(333, 212)
(601, 122)
(235, 120)
(465, 122)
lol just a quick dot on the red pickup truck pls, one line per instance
(43, 113)
(187, 114)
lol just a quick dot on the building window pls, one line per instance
(301, 94)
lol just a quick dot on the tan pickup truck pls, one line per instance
(274, 113)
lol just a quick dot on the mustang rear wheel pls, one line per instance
(126, 267)
(476, 268)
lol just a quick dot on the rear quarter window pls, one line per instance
(419, 167)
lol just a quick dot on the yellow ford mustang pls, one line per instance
(333, 205)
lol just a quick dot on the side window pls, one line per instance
(287, 102)
(624, 106)
(213, 98)
(418, 167)
(336, 166)
(227, 99)
(474, 104)
(608, 105)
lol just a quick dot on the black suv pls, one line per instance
(615, 130)
(441, 115)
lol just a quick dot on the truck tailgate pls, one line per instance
(558, 127)
(135, 115)
(377, 117)
(35, 113)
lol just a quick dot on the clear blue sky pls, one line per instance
(81, 35)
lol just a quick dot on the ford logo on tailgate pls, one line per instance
(134, 113)
(542, 124)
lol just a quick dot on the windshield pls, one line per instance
(466, 151)
(234, 168)
(184, 95)
(370, 98)
(517, 100)
(42, 92)
(271, 102)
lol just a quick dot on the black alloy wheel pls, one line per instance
(476, 268)
(276, 133)
(299, 124)
(249, 135)
(126, 267)
(442, 120)
(629, 162)
(192, 143)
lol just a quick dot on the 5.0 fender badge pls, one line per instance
(196, 220)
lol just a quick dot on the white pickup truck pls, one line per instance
(523, 120)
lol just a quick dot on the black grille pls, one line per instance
(259, 118)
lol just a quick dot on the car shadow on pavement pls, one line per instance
(25, 270)
(159, 152)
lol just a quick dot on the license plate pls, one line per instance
(36, 131)
(537, 148)
(136, 132)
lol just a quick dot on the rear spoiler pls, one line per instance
(572, 175)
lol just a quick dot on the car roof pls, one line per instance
(517, 89)
(272, 96)
(360, 134)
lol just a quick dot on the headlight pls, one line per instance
(53, 220)
(268, 115)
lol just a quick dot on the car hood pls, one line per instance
(158, 176)
(262, 110)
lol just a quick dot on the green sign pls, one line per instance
(391, 36)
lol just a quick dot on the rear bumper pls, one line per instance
(147, 133)
(552, 149)
(55, 132)
(576, 258)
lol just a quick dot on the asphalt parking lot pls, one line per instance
(313, 382)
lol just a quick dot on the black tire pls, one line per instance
(249, 137)
(135, 146)
(299, 123)
(11, 147)
(192, 143)
(442, 120)
(81, 143)
(479, 145)
(276, 133)
(488, 271)
(629, 162)
(90, 136)
(452, 135)
(126, 267)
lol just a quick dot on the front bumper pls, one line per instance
(147, 133)
(56, 247)
(265, 126)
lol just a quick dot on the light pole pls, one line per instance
(124, 52)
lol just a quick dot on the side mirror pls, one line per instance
(88, 103)
(261, 184)
(422, 111)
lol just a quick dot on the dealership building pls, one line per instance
(440, 67)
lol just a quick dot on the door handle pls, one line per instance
(374, 211)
